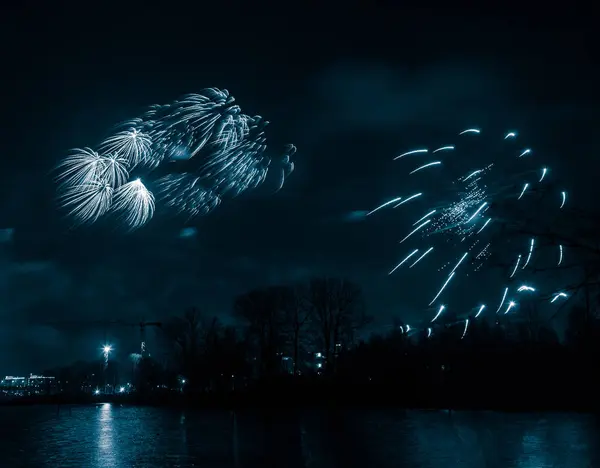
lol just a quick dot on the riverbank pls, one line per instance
(335, 396)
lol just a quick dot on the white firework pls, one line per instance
(231, 131)
(114, 171)
(203, 142)
(133, 146)
(195, 117)
(135, 203)
(287, 165)
(85, 166)
(89, 201)
(185, 194)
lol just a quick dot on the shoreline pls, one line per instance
(245, 402)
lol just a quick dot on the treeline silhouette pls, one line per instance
(301, 344)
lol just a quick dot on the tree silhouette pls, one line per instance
(263, 310)
(188, 339)
(297, 314)
(338, 311)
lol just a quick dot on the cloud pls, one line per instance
(354, 216)
(6, 235)
(369, 96)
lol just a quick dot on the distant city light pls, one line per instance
(122, 389)
(31, 377)
(96, 392)
(319, 355)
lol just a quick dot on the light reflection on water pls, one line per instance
(115, 436)
(107, 450)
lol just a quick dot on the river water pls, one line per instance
(108, 435)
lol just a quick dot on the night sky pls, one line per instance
(351, 89)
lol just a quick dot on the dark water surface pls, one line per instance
(115, 436)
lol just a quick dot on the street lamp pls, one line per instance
(106, 349)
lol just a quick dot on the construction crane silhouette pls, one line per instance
(142, 324)
(106, 323)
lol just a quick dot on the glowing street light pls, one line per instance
(106, 349)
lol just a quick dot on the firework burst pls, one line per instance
(475, 206)
(193, 152)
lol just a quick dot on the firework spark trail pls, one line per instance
(564, 199)
(558, 296)
(387, 203)
(516, 266)
(523, 191)
(464, 215)
(484, 225)
(418, 228)
(443, 148)
(525, 152)
(442, 288)
(466, 328)
(560, 255)
(421, 257)
(531, 245)
(424, 166)
(412, 197)
(450, 276)
(502, 300)
(481, 307)
(218, 150)
(511, 304)
(441, 309)
(423, 217)
(459, 262)
(473, 174)
(483, 205)
(403, 261)
(418, 151)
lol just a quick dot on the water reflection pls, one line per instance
(438, 439)
(556, 442)
(116, 436)
(107, 451)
